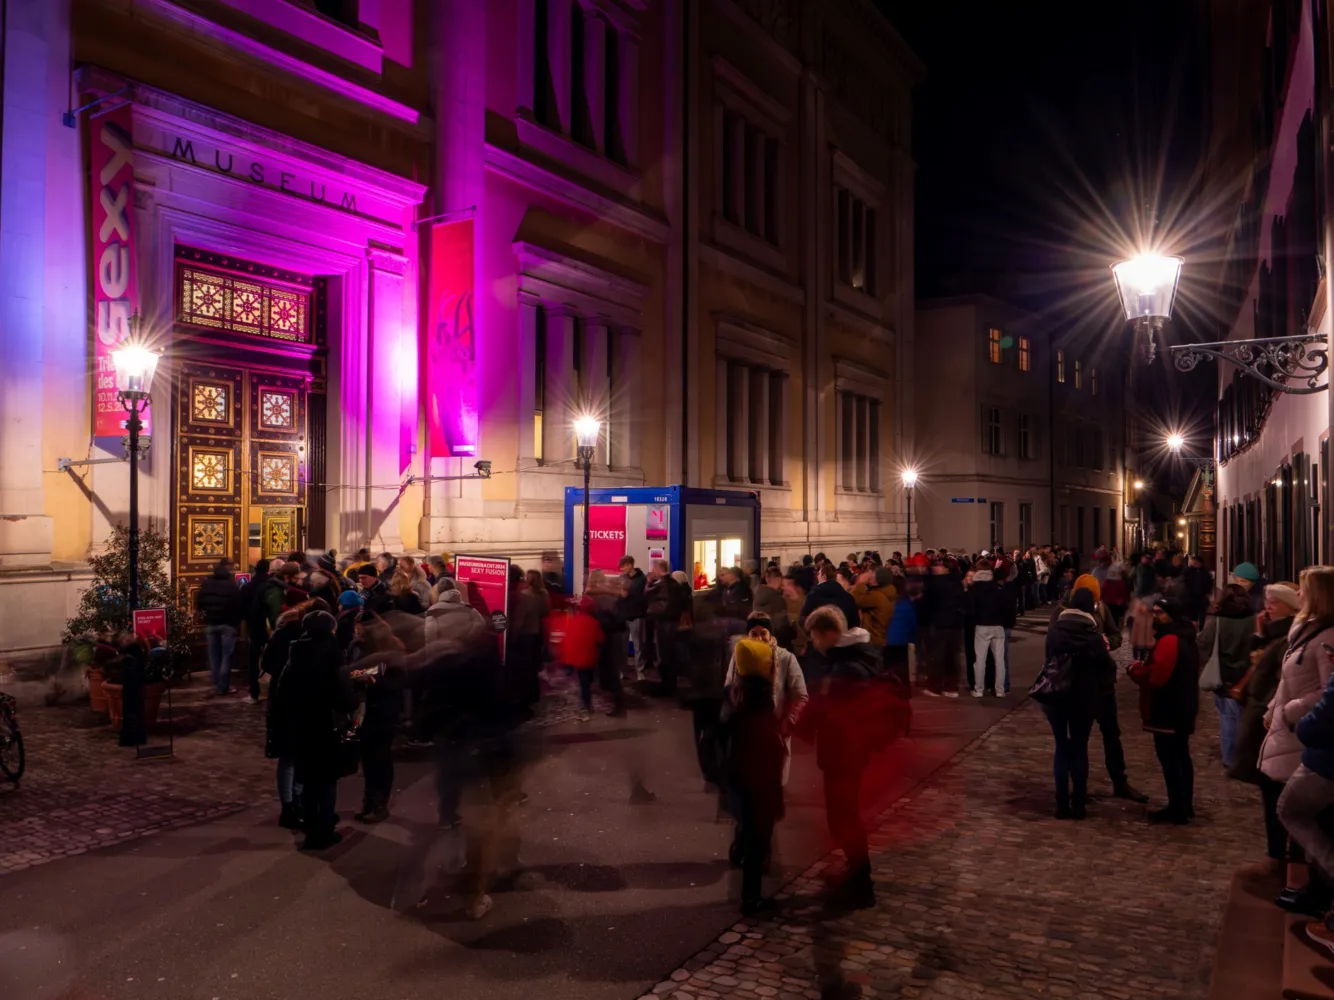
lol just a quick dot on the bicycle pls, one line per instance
(11, 740)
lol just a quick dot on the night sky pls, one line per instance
(1048, 136)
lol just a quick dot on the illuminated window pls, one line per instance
(1060, 366)
(855, 232)
(994, 345)
(241, 305)
(1078, 382)
(1025, 355)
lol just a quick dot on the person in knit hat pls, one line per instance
(1105, 714)
(753, 658)
(1246, 576)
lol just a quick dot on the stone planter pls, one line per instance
(153, 701)
(97, 698)
(115, 703)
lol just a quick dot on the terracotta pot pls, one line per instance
(153, 701)
(97, 699)
(115, 702)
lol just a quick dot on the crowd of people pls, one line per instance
(363, 651)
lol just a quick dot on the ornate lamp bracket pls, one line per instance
(1301, 359)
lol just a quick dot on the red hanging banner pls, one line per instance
(115, 280)
(451, 342)
(606, 536)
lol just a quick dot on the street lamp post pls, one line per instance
(909, 481)
(135, 366)
(586, 431)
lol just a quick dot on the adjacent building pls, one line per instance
(380, 242)
(1020, 431)
(1270, 78)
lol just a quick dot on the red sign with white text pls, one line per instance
(606, 536)
(451, 343)
(485, 582)
(150, 623)
(115, 279)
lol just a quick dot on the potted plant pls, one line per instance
(104, 615)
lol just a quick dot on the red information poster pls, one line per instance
(150, 623)
(451, 342)
(484, 581)
(606, 536)
(115, 283)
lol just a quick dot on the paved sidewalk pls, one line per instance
(983, 894)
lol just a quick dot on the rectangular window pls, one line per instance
(1111, 527)
(993, 438)
(1093, 380)
(545, 109)
(859, 441)
(754, 163)
(219, 301)
(849, 440)
(1025, 436)
(733, 162)
(997, 524)
(1060, 366)
(855, 238)
(1025, 355)
(772, 197)
(611, 91)
(1025, 526)
(994, 345)
(1078, 382)
(581, 123)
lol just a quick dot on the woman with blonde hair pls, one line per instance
(1306, 669)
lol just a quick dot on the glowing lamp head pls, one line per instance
(909, 478)
(586, 430)
(1181, 520)
(1139, 484)
(135, 366)
(1176, 442)
(1147, 285)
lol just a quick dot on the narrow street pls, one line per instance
(982, 892)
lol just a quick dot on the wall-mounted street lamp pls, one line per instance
(1147, 286)
(586, 431)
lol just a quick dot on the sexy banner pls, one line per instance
(115, 284)
(451, 342)
(606, 536)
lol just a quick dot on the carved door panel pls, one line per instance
(276, 456)
(209, 471)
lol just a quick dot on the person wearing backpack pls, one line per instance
(1077, 662)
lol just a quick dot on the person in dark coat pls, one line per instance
(256, 623)
(1169, 703)
(940, 615)
(754, 770)
(310, 702)
(1075, 642)
(378, 674)
(829, 591)
(641, 633)
(219, 603)
(667, 600)
(843, 740)
(374, 591)
(1199, 586)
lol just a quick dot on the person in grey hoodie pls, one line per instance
(451, 619)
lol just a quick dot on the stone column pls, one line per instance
(561, 391)
(26, 534)
(526, 410)
(390, 343)
(738, 422)
(720, 412)
(759, 424)
(778, 433)
(560, 52)
(595, 76)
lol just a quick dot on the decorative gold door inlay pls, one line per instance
(210, 470)
(276, 472)
(209, 403)
(276, 409)
(279, 531)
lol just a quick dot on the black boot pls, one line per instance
(290, 817)
(1125, 790)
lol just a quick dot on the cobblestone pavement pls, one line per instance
(982, 894)
(81, 791)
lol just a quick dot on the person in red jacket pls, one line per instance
(580, 652)
(1169, 701)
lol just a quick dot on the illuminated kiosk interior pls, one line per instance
(681, 524)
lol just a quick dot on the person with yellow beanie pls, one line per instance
(1106, 715)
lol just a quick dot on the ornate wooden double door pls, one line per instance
(240, 455)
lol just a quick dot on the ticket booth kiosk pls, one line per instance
(681, 524)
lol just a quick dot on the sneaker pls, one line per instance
(479, 908)
(1318, 933)
(950, 694)
(250, 699)
(931, 694)
(1001, 694)
(976, 694)
(416, 744)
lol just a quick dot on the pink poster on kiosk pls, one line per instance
(606, 536)
(115, 281)
(484, 581)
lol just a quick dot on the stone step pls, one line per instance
(1308, 969)
(1249, 963)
